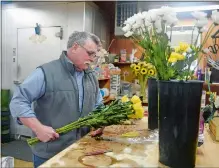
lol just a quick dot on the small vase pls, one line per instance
(152, 104)
(143, 85)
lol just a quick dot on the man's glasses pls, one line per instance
(92, 54)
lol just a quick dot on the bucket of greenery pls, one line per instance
(179, 96)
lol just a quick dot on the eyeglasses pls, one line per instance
(92, 54)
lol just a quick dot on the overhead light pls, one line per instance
(196, 8)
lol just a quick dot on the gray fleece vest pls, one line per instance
(60, 103)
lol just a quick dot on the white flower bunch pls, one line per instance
(145, 20)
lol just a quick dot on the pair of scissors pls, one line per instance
(214, 48)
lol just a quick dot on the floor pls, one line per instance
(21, 163)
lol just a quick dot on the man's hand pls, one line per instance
(45, 133)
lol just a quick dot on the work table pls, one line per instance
(126, 155)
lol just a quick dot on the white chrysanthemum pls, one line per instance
(127, 28)
(152, 15)
(199, 15)
(215, 16)
(204, 29)
(201, 23)
(128, 34)
(171, 20)
(164, 10)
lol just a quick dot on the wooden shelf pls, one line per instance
(122, 63)
(101, 79)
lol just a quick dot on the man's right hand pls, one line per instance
(45, 133)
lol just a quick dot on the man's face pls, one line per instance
(83, 55)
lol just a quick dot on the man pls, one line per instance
(62, 90)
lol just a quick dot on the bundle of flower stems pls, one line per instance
(115, 113)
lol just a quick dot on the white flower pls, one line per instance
(164, 10)
(206, 50)
(158, 24)
(215, 16)
(189, 50)
(152, 15)
(201, 23)
(136, 26)
(216, 103)
(128, 34)
(147, 23)
(171, 20)
(159, 30)
(130, 21)
(144, 14)
(126, 28)
(203, 29)
(199, 15)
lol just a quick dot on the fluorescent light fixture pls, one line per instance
(196, 8)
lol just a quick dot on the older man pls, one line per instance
(62, 91)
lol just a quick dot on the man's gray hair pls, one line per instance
(81, 37)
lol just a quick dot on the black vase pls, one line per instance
(152, 104)
(179, 113)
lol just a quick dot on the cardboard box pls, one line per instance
(214, 127)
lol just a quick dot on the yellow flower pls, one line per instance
(137, 105)
(144, 71)
(136, 73)
(151, 72)
(137, 68)
(172, 60)
(140, 64)
(139, 111)
(135, 99)
(125, 99)
(183, 46)
(174, 57)
(132, 66)
(177, 49)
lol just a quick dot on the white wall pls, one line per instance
(69, 15)
(26, 14)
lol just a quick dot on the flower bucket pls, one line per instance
(179, 114)
(152, 104)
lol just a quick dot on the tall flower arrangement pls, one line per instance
(150, 28)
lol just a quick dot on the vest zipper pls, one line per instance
(82, 97)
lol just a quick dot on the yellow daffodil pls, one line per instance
(172, 60)
(137, 105)
(135, 99)
(137, 68)
(144, 71)
(183, 46)
(139, 111)
(177, 49)
(151, 72)
(174, 57)
(125, 99)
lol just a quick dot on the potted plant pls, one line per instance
(179, 97)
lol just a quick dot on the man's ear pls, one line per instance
(74, 47)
